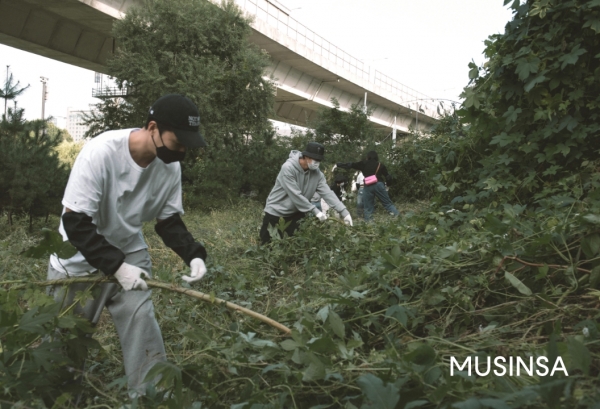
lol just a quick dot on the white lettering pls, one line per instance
(562, 367)
(467, 364)
(500, 358)
(521, 363)
(489, 366)
(510, 365)
(539, 364)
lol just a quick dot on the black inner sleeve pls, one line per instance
(84, 236)
(176, 236)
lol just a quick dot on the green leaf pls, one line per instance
(290, 345)
(423, 355)
(168, 376)
(323, 345)
(592, 218)
(31, 322)
(474, 71)
(527, 66)
(537, 80)
(336, 323)
(323, 313)
(572, 57)
(580, 355)
(315, 372)
(397, 312)
(590, 245)
(595, 277)
(378, 395)
(416, 403)
(523, 289)
(52, 243)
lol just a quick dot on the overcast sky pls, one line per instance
(424, 44)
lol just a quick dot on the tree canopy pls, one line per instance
(531, 111)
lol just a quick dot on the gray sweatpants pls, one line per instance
(132, 313)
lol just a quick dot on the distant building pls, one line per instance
(75, 124)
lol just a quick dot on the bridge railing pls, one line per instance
(409, 97)
(277, 18)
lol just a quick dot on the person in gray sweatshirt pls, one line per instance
(298, 180)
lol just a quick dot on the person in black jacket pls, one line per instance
(338, 187)
(372, 167)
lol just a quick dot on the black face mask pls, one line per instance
(167, 155)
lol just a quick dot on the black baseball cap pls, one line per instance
(181, 114)
(315, 151)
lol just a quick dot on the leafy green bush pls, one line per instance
(531, 111)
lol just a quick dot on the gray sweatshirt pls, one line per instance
(295, 186)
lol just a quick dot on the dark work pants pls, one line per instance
(373, 191)
(269, 219)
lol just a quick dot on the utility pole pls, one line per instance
(44, 80)
(394, 133)
(6, 91)
(417, 116)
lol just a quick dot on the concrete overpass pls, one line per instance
(308, 70)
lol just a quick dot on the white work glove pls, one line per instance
(348, 220)
(131, 277)
(197, 268)
(321, 216)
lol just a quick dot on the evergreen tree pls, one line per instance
(32, 179)
(10, 90)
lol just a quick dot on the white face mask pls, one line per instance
(314, 165)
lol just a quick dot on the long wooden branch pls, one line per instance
(156, 284)
(555, 266)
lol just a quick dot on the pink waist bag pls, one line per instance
(371, 180)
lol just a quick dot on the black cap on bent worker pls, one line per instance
(181, 114)
(315, 151)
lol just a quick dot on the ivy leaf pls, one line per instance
(518, 284)
(31, 322)
(471, 98)
(397, 312)
(529, 86)
(511, 114)
(503, 139)
(572, 57)
(527, 66)
(378, 396)
(474, 71)
(52, 243)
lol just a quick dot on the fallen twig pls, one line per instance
(156, 284)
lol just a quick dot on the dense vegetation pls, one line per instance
(500, 258)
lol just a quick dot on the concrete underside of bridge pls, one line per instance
(78, 32)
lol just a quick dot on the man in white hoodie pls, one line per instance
(297, 182)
